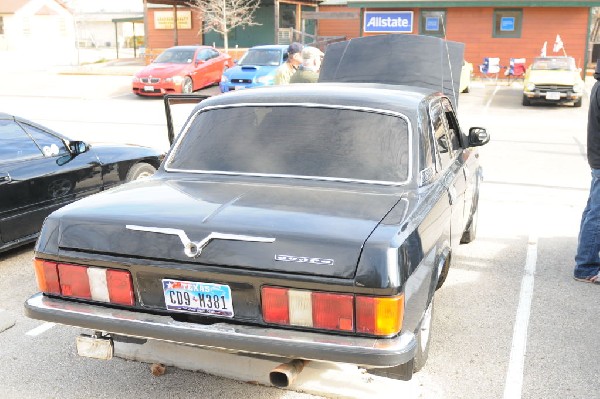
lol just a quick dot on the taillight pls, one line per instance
(98, 284)
(380, 316)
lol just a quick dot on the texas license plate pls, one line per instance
(148, 88)
(552, 95)
(196, 297)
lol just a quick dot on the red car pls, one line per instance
(181, 69)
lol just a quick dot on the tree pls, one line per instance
(222, 16)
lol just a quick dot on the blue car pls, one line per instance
(256, 68)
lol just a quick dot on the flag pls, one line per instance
(543, 53)
(558, 44)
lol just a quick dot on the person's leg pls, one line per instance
(587, 259)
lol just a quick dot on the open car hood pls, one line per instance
(412, 60)
(300, 230)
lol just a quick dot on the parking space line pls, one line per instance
(40, 329)
(489, 101)
(514, 376)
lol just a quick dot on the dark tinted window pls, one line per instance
(296, 140)
(439, 131)
(50, 144)
(16, 144)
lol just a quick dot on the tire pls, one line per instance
(470, 232)
(188, 85)
(467, 89)
(444, 272)
(578, 103)
(140, 171)
(423, 338)
(526, 102)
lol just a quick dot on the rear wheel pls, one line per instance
(139, 171)
(188, 85)
(424, 338)
(578, 103)
(444, 272)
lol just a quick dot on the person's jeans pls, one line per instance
(587, 259)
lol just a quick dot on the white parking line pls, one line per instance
(489, 101)
(40, 329)
(514, 376)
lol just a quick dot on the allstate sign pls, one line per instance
(388, 22)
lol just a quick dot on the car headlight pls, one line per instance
(578, 88)
(530, 87)
(266, 80)
(175, 79)
(224, 79)
(135, 79)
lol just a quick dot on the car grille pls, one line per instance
(559, 88)
(150, 80)
(241, 80)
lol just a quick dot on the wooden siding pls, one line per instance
(474, 27)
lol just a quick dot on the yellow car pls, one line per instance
(465, 77)
(553, 80)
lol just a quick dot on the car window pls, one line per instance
(204, 55)
(442, 142)
(261, 57)
(323, 142)
(16, 144)
(213, 53)
(48, 143)
(427, 160)
(175, 56)
(452, 126)
(553, 64)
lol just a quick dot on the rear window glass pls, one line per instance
(296, 140)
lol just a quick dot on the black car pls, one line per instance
(41, 170)
(305, 222)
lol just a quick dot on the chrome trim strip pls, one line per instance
(309, 105)
(194, 249)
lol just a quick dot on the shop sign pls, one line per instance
(388, 22)
(164, 19)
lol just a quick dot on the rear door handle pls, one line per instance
(5, 178)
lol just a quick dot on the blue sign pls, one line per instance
(507, 24)
(388, 22)
(432, 24)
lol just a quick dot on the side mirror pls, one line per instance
(77, 147)
(478, 136)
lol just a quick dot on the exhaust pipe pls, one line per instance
(284, 375)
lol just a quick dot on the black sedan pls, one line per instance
(41, 170)
(305, 222)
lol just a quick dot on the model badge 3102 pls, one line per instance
(368, 167)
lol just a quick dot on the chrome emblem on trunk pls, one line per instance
(304, 259)
(194, 249)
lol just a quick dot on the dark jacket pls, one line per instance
(593, 127)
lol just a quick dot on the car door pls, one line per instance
(204, 69)
(37, 176)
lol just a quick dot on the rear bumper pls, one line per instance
(564, 96)
(367, 352)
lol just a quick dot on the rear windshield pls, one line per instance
(261, 57)
(303, 141)
(554, 64)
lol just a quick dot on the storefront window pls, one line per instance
(432, 23)
(507, 23)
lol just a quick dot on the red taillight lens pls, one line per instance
(333, 311)
(120, 287)
(46, 274)
(275, 307)
(74, 281)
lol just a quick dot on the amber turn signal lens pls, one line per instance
(379, 315)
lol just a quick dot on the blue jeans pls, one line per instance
(587, 260)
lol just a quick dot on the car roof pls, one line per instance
(394, 98)
(270, 47)
(191, 47)
(5, 116)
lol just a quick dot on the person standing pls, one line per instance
(311, 65)
(288, 68)
(587, 259)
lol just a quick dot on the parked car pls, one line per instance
(181, 69)
(553, 80)
(465, 77)
(41, 170)
(256, 68)
(305, 222)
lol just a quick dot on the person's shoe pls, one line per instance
(591, 279)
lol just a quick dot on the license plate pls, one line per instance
(148, 88)
(196, 297)
(552, 95)
(239, 87)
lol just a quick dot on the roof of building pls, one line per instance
(472, 3)
(12, 6)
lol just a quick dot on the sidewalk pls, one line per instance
(119, 67)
